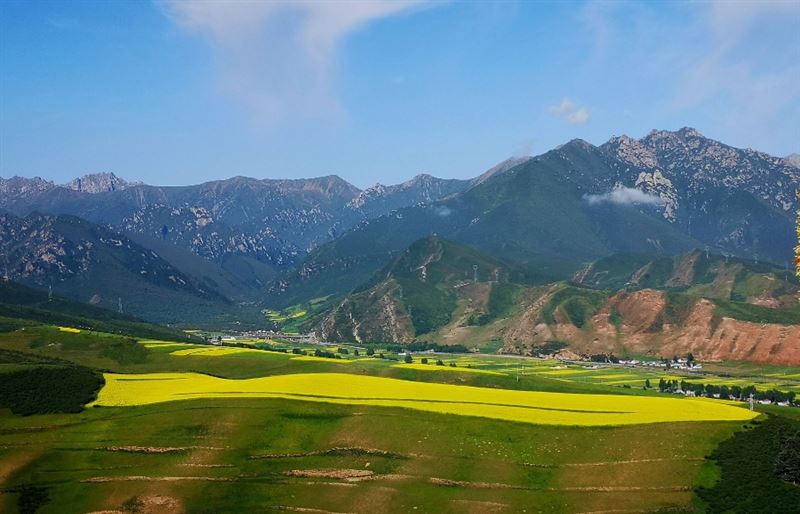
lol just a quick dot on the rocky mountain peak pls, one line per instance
(793, 160)
(501, 168)
(578, 143)
(21, 186)
(421, 179)
(98, 183)
(632, 151)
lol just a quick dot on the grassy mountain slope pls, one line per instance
(623, 304)
(535, 213)
(697, 272)
(21, 306)
(418, 292)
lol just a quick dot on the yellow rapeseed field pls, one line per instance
(341, 388)
(434, 367)
(70, 330)
(212, 351)
(314, 358)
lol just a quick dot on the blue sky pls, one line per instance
(182, 92)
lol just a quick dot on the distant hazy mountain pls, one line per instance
(380, 199)
(16, 189)
(90, 263)
(272, 221)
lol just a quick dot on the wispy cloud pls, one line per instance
(732, 61)
(731, 69)
(525, 148)
(624, 196)
(569, 111)
(279, 57)
(63, 23)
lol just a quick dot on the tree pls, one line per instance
(689, 358)
(424, 360)
(439, 362)
(452, 364)
(647, 383)
(407, 359)
(662, 384)
(370, 352)
(787, 464)
(355, 352)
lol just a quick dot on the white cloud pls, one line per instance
(442, 211)
(727, 69)
(278, 57)
(621, 195)
(570, 111)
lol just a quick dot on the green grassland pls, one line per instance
(245, 455)
(295, 318)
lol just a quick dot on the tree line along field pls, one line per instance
(375, 451)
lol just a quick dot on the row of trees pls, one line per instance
(723, 391)
(408, 360)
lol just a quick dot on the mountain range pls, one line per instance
(222, 251)
(714, 306)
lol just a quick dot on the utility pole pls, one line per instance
(50, 293)
(751, 401)
(475, 273)
(119, 304)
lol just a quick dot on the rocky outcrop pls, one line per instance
(97, 183)
(637, 322)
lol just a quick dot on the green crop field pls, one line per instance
(178, 427)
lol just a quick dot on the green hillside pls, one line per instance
(697, 272)
(426, 283)
(23, 306)
(535, 214)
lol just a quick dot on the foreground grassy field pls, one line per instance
(245, 455)
(187, 428)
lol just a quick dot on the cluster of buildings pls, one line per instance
(681, 364)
